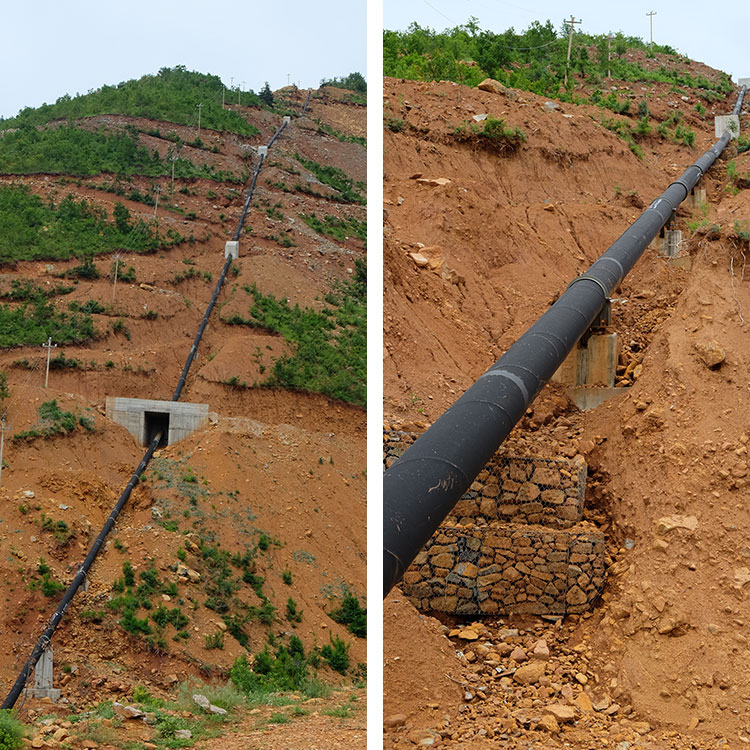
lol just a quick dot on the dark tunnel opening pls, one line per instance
(155, 422)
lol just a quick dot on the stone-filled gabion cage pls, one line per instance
(512, 544)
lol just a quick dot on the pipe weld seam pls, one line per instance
(509, 376)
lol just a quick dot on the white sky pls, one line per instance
(715, 35)
(53, 47)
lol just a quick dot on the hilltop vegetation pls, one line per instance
(71, 150)
(533, 60)
(173, 95)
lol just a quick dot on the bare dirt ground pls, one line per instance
(287, 465)
(659, 663)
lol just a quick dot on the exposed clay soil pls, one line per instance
(503, 236)
(290, 465)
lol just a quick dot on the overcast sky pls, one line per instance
(53, 47)
(712, 34)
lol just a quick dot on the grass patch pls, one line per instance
(54, 421)
(336, 179)
(330, 346)
(338, 229)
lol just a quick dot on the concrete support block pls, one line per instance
(287, 119)
(602, 360)
(232, 249)
(43, 677)
(744, 82)
(672, 244)
(696, 198)
(593, 364)
(262, 150)
(722, 123)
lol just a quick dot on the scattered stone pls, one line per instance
(217, 710)
(433, 181)
(37, 742)
(549, 724)
(712, 354)
(127, 712)
(201, 700)
(669, 523)
(550, 106)
(519, 655)
(541, 650)
(183, 734)
(495, 87)
(467, 634)
(562, 714)
(529, 674)
(584, 703)
(419, 260)
(394, 720)
(581, 678)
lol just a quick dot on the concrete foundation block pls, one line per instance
(144, 417)
(722, 123)
(696, 198)
(672, 244)
(593, 364)
(744, 82)
(232, 249)
(43, 678)
(262, 150)
(287, 119)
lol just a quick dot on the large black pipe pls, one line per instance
(304, 106)
(80, 576)
(421, 488)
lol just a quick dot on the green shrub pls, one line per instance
(286, 576)
(352, 615)
(336, 653)
(214, 640)
(292, 613)
(11, 731)
(128, 573)
(285, 669)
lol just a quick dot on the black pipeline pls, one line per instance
(421, 488)
(46, 637)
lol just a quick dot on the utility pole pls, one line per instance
(3, 430)
(651, 25)
(609, 56)
(288, 75)
(116, 257)
(157, 190)
(49, 346)
(198, 106)
(572, 23)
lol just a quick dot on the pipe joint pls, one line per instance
(598, 282)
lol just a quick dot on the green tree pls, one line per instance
(122, 217)
(266, 95)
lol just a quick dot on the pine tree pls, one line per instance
(266, 95)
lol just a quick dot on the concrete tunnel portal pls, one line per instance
(144, 418)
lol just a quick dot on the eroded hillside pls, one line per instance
(251, 531)
(481, 235)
